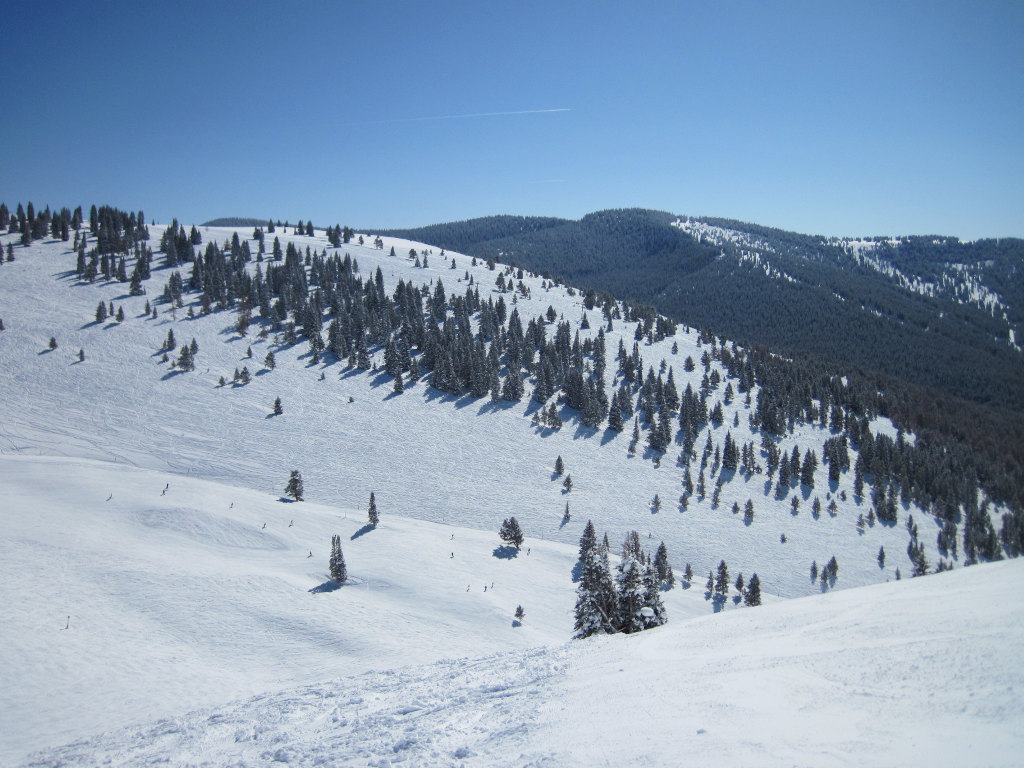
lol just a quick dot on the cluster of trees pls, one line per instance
(33, 225)
(717, 587)
(626, 598)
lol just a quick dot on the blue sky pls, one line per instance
(854, 118)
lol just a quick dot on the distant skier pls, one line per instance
(264, 527)
(309, 555)
(68, 623)
(110, 497)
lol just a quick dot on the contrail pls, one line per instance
(461, 117)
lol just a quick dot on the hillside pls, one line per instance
(931, 321)
(502, 372)
(196, 635)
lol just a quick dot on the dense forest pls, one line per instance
(943, 366)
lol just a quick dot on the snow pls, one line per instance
(200, 631)
(122, 405)
(892, 674)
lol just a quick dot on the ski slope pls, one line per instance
(456, 461)
(194, 638)
(141, 509)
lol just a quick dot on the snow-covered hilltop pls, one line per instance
(143, 464)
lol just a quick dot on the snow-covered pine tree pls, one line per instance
(632, 596)
(653, 610)
(596, 601)
(339, 572)
(278, 408)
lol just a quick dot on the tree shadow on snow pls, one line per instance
(608, 436)
(361, 532)
(171, 374)
(505, 552)
(577, 571)
(328, 586)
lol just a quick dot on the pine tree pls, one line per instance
(186, 361)
(53, 342)
(568, 483)
(559, 466)
(511, 533)
(688, 574)
(269, 361)
(753, 594)
(278, 408)
(881, 557)
(662, 567)
(101, 313)
(294, 487)
(374, 516)
(631, 592)
(722, 583)
(596, 600)
(520, 614)
(339, 572)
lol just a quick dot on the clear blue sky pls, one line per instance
(855, 118)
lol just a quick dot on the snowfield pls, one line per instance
(163, 604)
(198, 637)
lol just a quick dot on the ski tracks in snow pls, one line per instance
(435, 715)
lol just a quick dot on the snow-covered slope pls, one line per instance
(427, 455)
(183, 600)
(925, 671)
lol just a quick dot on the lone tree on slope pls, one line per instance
(511, 533)
(374, 516)
(278, 408)
(339, 572)
(294, 487)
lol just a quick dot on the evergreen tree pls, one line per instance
(269, 361)
(588, 540)
(101, 313)
(567, 484)
(511, 533)
(186, 361)
(374, 516)
(278, 408)
(722, 583)
(596, 601)
(53, 342)
(520, 614)
(753, 594)
(662, 567)
(881, 557)
(631, 596)
(294, 487)
(559, 466)
(339, 572)
(688, 574)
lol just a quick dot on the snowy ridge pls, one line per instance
(962, 283)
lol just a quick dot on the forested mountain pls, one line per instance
(930, 321)
(191, 414)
